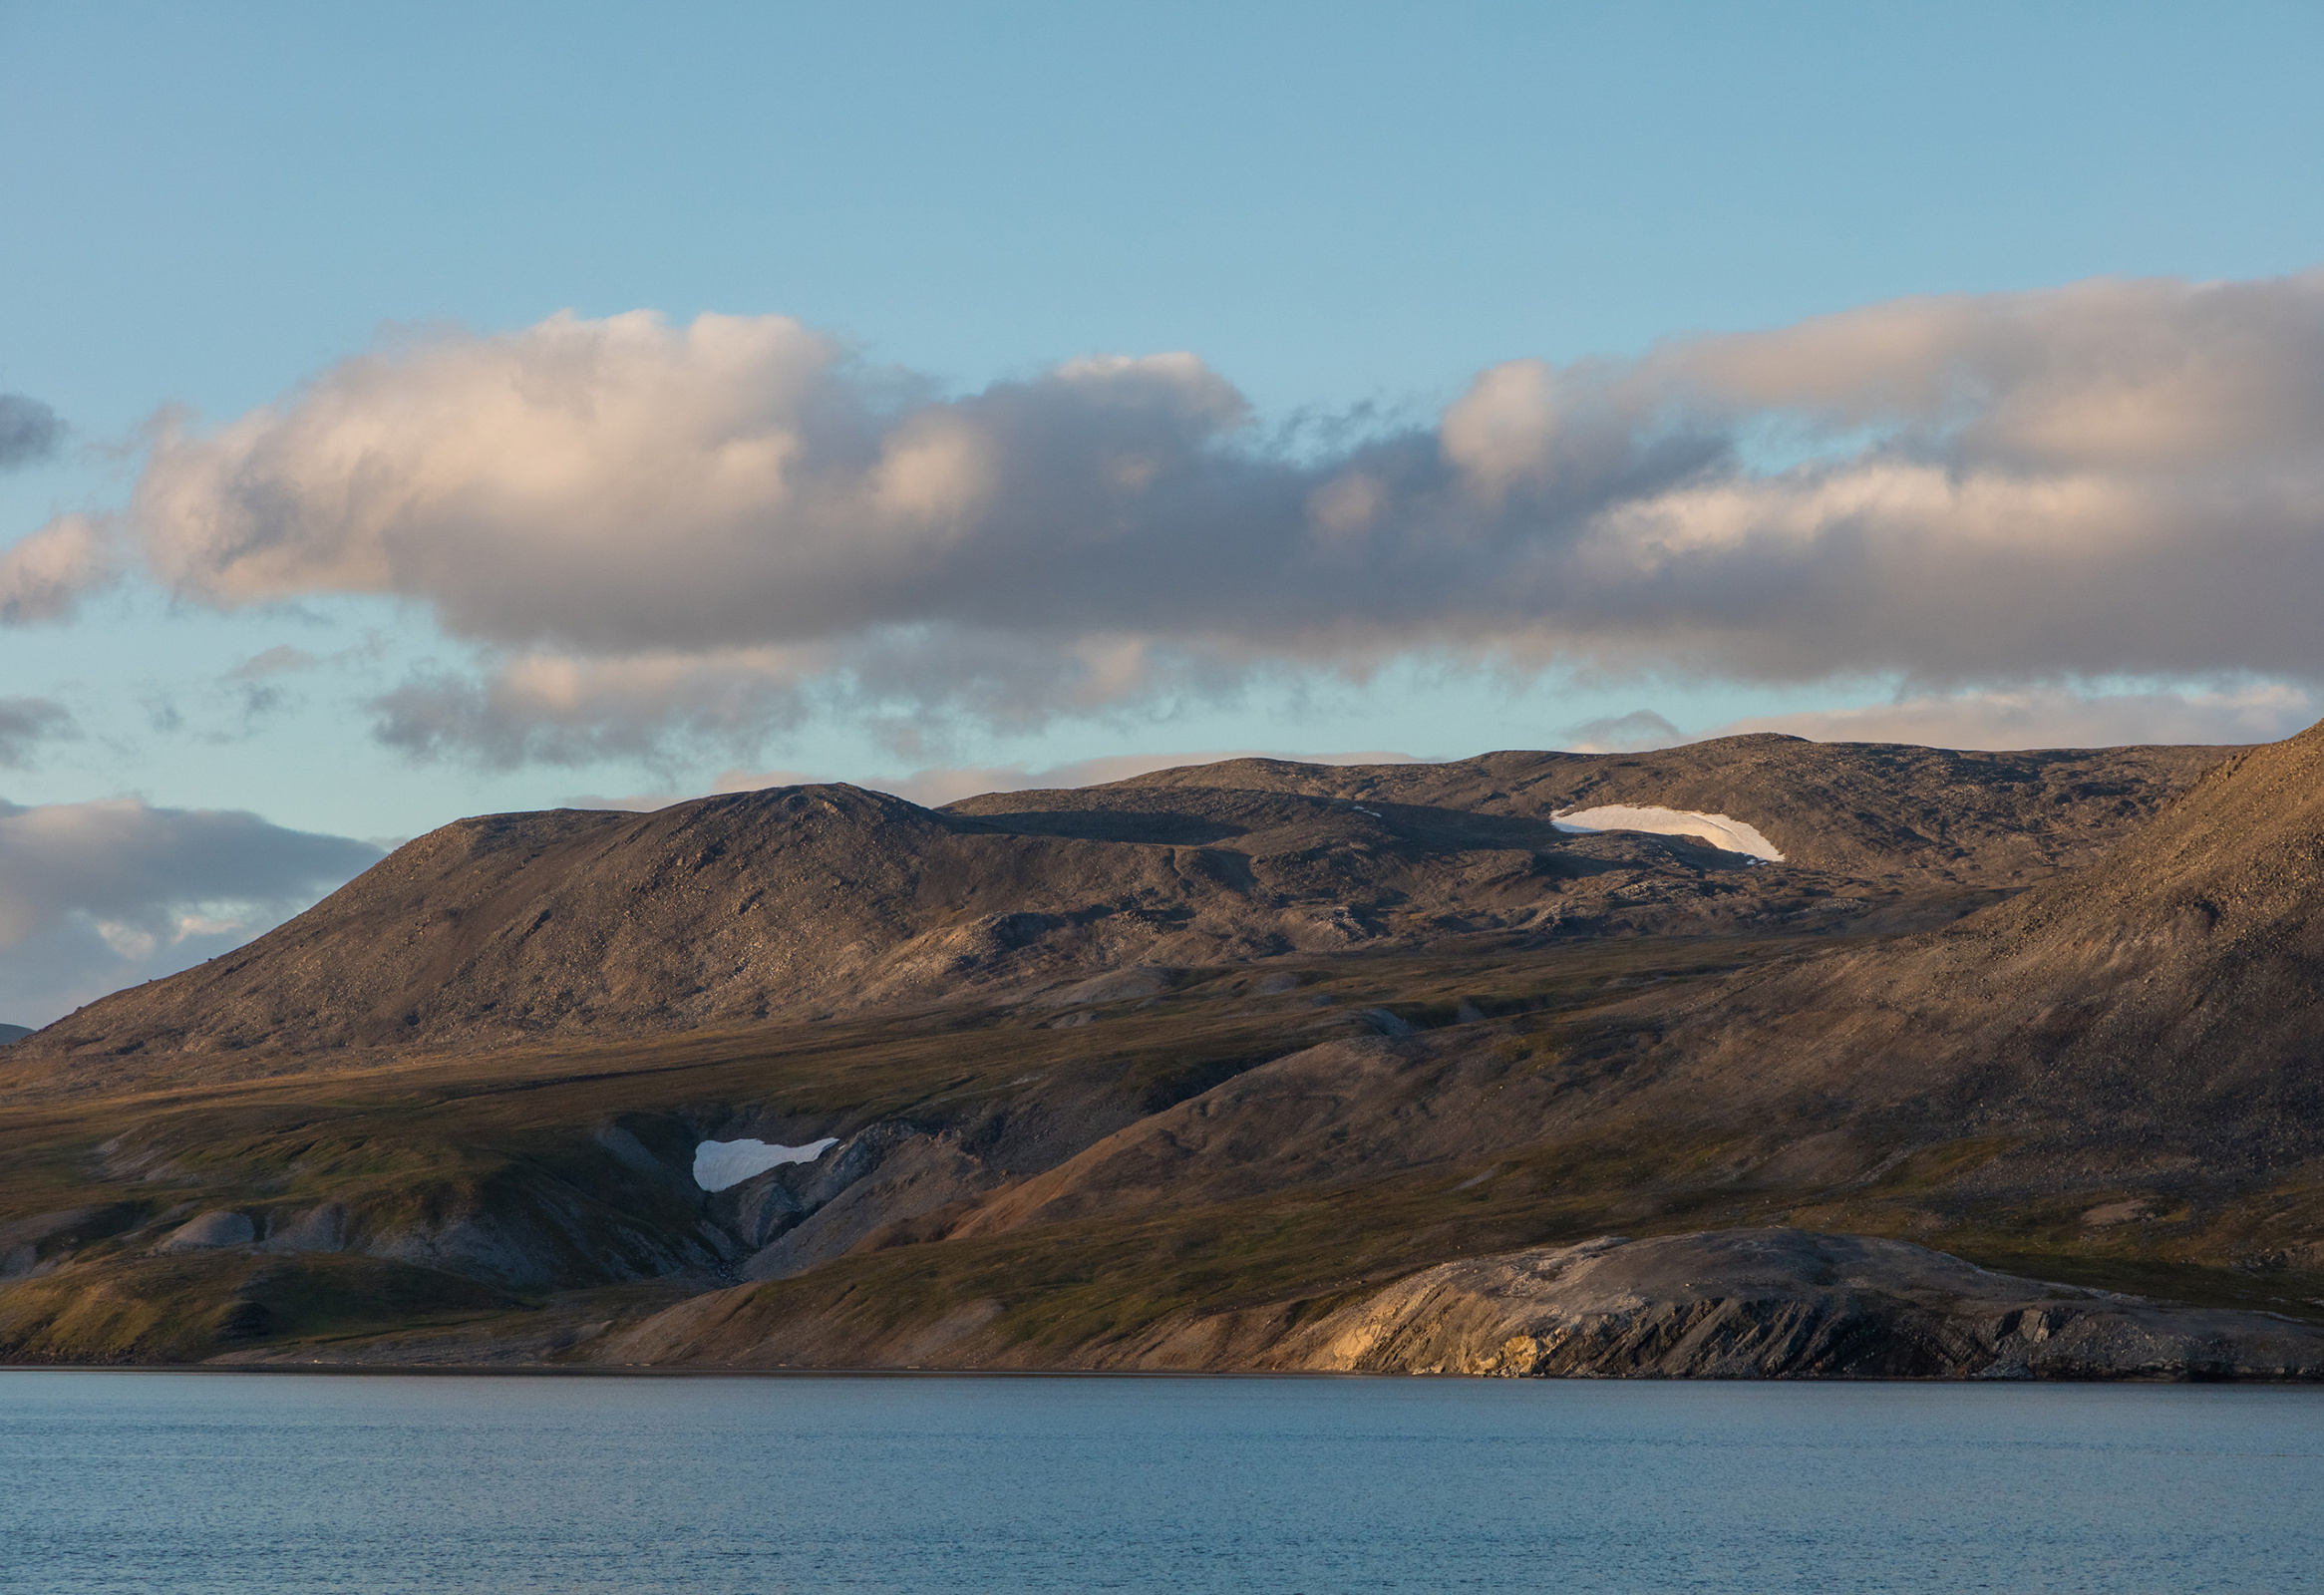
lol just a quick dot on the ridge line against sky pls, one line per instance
(466, 409)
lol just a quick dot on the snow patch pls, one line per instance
(719, 1163)
(1717, 829)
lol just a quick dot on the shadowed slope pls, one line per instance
(1867, 809)
(1460, 1047)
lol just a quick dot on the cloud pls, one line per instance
(29, 431)
(94, 896)
(280, 660)
(257, 684)
(1624, 734)
(44, 575)
(555, 709)
(708, 532)
(2055, 717)
(25, 723)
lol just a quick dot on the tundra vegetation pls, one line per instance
(2008, 1066)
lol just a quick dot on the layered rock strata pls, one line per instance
(1783, 1304)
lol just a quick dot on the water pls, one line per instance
(193, 1484)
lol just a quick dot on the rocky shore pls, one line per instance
(1783, 1304)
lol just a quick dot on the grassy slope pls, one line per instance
(417, 1141)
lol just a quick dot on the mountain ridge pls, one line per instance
(1170, 1072)
(801, 900)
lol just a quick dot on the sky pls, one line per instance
(421, 410)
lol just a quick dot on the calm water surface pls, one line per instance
(194, 1483)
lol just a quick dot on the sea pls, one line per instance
(200, 1482)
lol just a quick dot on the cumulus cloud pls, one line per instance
(2056, 717)
(26, 723)
(719, 528)
(94, 896)
(29, 431)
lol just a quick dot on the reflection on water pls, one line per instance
(200, 1482)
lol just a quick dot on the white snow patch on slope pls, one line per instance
(719, 1163)
(1717, 829)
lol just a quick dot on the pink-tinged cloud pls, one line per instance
(716, 529)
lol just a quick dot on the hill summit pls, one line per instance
(803, 901)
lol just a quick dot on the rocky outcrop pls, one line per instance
(799, 1215)
(1781, 1304)
(1878, 809)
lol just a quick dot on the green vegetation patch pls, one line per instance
(187, 1309)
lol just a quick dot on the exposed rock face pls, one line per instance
(2166, 1003)
(1781, 1304)
(801, 1216)
(807, 900)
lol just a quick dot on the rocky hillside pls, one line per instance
(1781, 1303)
(2160, 1010)
(809, 901)
(1266, 1065)
(1920, 817)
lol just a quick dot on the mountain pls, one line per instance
(2163, 1006)
(1214, 1067)
(1928, 816)
(2116, 1070)
(810, 901)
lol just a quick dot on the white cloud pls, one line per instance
(705, 532)
(94, 896)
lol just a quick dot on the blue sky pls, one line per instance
(1345, 212)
